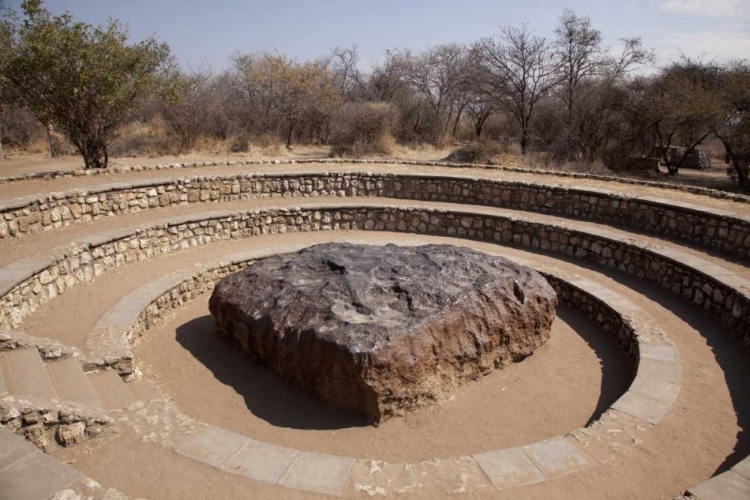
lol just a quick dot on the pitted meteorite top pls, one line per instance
(429, 317)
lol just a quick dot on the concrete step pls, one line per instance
(71, 383)
(3, 385)
(37, 477)
(26, 375)
(110, 388)
(144, 390)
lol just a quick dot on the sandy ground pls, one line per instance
(18, 166)
(201, 371)
(703, 433)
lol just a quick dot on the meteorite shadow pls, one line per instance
(267, 396)
(617, 371)
(281, 404)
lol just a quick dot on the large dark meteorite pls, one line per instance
(381, 330)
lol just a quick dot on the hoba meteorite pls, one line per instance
(381, 330)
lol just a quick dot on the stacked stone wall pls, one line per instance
(709, 288)
(714, 230)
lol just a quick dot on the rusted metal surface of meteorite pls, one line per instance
(381, 330)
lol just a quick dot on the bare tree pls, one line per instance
(343, 63)
(683, 109)
(734, 127)
(286, 88)
(188, 113)
(587, 76)
(517, 69)
(436, 75)
(579, 53)
(578, 49)
(388, 83)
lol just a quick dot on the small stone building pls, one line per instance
(698, 159)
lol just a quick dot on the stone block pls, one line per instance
(262, 461)
(557, 456)
(509, 468)
(320, 473)
(212, 445)
(641, 407)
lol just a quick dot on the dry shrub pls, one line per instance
(548, 161)
(419, 152)
(19, 128)
(141, 139)
(267, 145)
(242, 145)
(363, 128)
(37, 148)
(482, 152)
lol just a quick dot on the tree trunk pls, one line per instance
(742, 178)
(289, 134)
(458, 119)
(94, 154)
(51, 139)
(524, 140)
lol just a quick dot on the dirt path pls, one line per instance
(19, 166)
(702, 433)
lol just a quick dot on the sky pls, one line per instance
(205, 34)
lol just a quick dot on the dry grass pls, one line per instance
(152, 140)
(38, 149)
(141, 139)
(544, 161)
(420, 152)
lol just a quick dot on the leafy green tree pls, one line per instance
(82, 78)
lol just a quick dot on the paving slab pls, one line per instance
(36, 478)
(622, 305)
(212, 445)
(657, 389)
(726, 486)
(658, 370)
(320, 473)
(13, 449)
(641, 407)
(16, 272)
(665, 353)
(110, 388)
(144, 390)
(509, 468)
(714, 270)
(71, 383)
(557, 456)
(15, 203)
(94, 240)
(26, 375)
(743, 468)
(262, 461)
(199, 217)
(3, 385)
